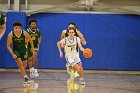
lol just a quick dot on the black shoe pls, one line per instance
(26, 81)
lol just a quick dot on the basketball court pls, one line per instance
(111, 29)
(59, 82)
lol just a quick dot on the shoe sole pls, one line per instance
(82, 83)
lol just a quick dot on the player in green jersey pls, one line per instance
(34, 32)
(17, 38)
(2, 25)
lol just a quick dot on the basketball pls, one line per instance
(87, 53)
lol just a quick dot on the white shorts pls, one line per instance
(73, 59)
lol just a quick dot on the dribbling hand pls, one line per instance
(84, 43)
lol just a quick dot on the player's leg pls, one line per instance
(78, 67)
(68, 67)
(24, 63)
(82, 81)
(31, 68)
(35, 59)
(30, 62)
(22, 70)
(70, 71)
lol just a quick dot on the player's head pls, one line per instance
(71, 32)
(32, 23)
(2, 21)
(71, 25)
(17, 26)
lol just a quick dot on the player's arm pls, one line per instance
(63, 34)
(59, 45)
(39, 39)
(80, 35)
(27, 36)
(9, 42)
(2, 30)
(79, 44)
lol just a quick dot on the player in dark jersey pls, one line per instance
(72, 25)
(34, 32)
(17, 38)
(2, 25)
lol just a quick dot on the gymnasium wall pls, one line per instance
(6, 60)
(114, 39)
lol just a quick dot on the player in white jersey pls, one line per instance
(71, 46)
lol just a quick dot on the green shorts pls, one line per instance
(29, 52)
(21, 54)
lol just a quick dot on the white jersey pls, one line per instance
(71, 45)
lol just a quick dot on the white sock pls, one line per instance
(31, 70)
(35, 70)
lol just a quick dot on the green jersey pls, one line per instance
(2, 21)
(34, 35)
(18, 45)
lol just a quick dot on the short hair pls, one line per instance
(71, 29)
(17, 24)
(32, 20)
(71, 23)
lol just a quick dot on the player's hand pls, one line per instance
(84, 43)
(14, 56)
(61, 54)
(62, 45)
(33, 51)
(33, 38)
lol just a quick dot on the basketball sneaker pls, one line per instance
(26, 81)
(32, 73)
(68, 68)
(36, 73)
(82, 81)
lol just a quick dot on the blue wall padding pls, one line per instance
(6, 60)
(114, 39)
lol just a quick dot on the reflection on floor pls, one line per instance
(59, 82)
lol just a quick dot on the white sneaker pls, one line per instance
(32, 72)
(32, 75)
(36, 74)
(68, 68)
(82, 81)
